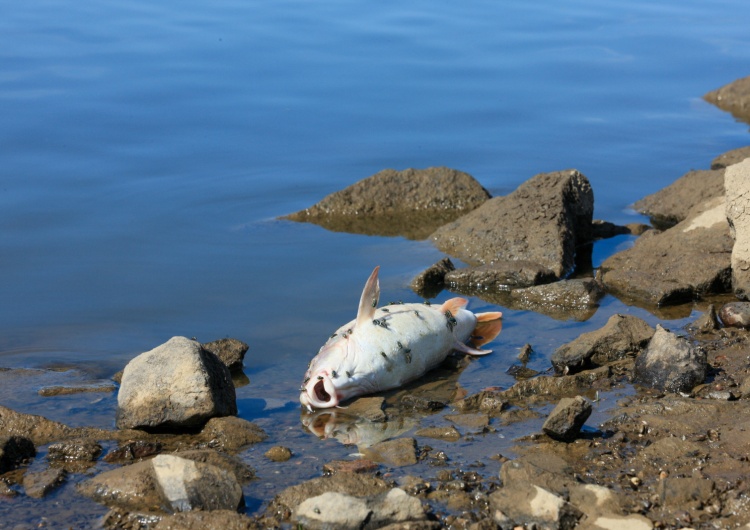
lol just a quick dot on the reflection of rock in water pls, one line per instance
(354, 430)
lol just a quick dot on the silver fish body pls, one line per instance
(387, 347)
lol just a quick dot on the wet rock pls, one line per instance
(737, 184)
(231, 433)
(431, 281)
(15, 450)
(730, 157)
(735, 314)
(670, 363)
(354, 484)
(340, 511)
(84, 449)
(42, 431)
(177, 385)
(229, 351)
(544, 221)
(412, 203)
(622, 336)
(685, 493)
(566, 419)
(672, 204)
(188, 485)
(706, 323)
(361, 465)
(278, 453)
(476, 421)
(606, 230)
(231, 464)
(398, 453)
(133, 450)
(733, 98)
(526, 504)
(544, 386)
(448, 433)
(499, 276)
(165, 482)
(525, 354)
(198, 520)
(545, 470)
(561, 299)
(367, 408)
(7, 491)
(687, 261)
(421, 403)
(94, 386)
(38, 484)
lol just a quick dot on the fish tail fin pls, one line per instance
(368, 302)
(453, 305)
(489, 326)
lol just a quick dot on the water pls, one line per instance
(148, 149)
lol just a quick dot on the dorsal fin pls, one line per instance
(368, 302)
(453, 305)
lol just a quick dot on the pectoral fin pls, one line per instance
(465, 348)
(368, 302)
(488, 327)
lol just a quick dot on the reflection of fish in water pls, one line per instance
(353, 430)
(387, 347)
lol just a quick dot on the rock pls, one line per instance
(554, 386)
(566, 419)
(673, 204)
(708, 322)
(547, 471)
(37, 484)
(15, 450)
(448, 433)
(354, 484)
(340, 511)
(545, 221)
(685, 493)
(231, 464)
(526, 504)
(622, 336)
(229, 351)
(231, 433)
(278, 453)
(368, 408)
(737, 184)
(525, 354)
(94, 386)
(188, 485)
(670, 363)
(82, 449)
(730, 157)
(166, 482)
(687, 261)
(733, 98)
(197, 520)
(42, 431)
(361, 465)
(133, 450)
(431, 281)
(735, 314)
(177, 385)
(561, 299)
(499, 276)
(606, 230)
(476, 421)
(411, 203)
(421, 403)
(398, 453)
(620, 522)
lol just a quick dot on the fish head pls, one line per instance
(330, 375)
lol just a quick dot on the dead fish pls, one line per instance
(380, 350)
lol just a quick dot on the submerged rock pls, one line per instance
(737, 185)
(38, 484)
(566, 419)
(411, 203)
(622, 336)
(399, 452)
(670, 363)
(733, 98)
(178, 385)
(544, 221)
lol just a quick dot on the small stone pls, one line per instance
(735, 314)
(279, 453)
(707, 322)
(133, 450)
(525, 354)
(361, 465)
(69, 450)
(40, 483)
(565, 421)
(448, 433)
(473, 421)
(399, 452)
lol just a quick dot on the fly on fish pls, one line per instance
(388, 347)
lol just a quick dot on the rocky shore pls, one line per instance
(672, 453)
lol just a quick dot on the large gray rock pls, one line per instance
(670, 363)
(411, 203)
(176, 385)
(733, 98)
(622, 336)
(544, 221)
(687, 261)
(672, 204)
(737, 183)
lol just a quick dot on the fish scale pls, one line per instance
(387, 347)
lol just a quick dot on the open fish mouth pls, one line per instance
(319, 393)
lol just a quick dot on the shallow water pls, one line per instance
(148, 150)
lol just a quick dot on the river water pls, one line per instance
(148, 150)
